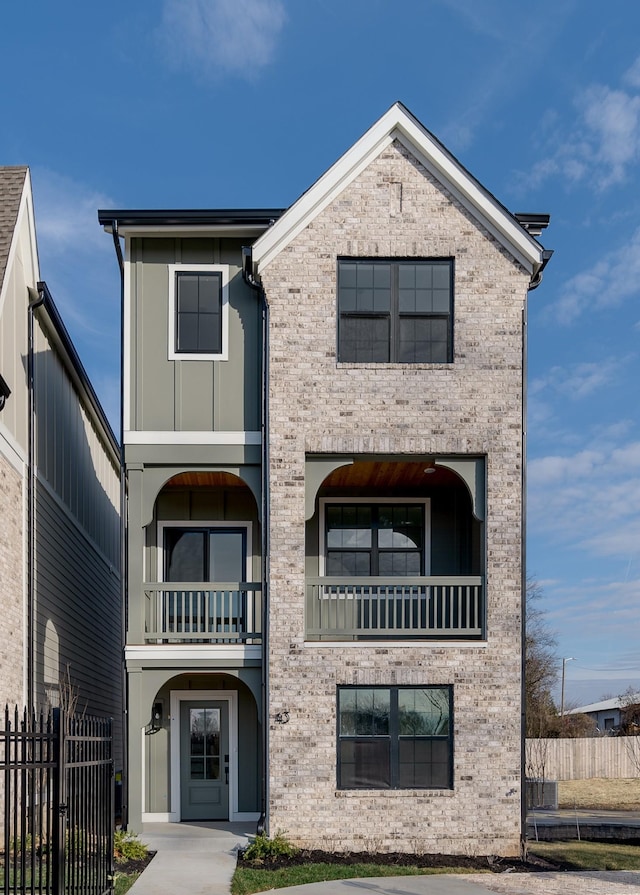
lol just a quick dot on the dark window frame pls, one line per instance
(374, 550)
(394, 315)
(208, 350)
(394, 738)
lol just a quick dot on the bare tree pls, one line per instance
(630, 724)
(541, 667)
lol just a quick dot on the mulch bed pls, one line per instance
(400, 859)
(134, 866)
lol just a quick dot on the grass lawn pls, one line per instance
(589, 855)
(124, 881)
(599, 793)
(249, 879)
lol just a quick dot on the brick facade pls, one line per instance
(11, 586)
(395, 208)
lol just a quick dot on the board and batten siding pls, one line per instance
(77, 637)
(176, 395)
(71, 455)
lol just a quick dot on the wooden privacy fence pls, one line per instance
(583, 758)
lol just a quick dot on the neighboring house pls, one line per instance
(324, 449)
(608, 714)
(60, 603)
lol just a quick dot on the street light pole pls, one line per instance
(564, 662)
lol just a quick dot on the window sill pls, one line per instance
(395, 793)
(344, 365)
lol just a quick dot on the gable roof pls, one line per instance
(12, 181)
(399, 124)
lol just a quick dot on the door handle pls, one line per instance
(226, 775)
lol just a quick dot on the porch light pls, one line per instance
(5, 391)
(430, 467)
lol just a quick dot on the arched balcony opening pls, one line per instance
(203, 565)
(395, 550)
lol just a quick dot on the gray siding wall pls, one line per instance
(187, 395)
(77, 615)
(70, 454)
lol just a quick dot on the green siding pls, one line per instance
(187, 395)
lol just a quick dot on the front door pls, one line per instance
(204, 760)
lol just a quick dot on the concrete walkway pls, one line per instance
(192, 858)
(199, 859)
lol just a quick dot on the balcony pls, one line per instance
(425, 608)
(193, 612)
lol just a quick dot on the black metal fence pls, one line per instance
(56, 804)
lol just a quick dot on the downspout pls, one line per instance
(123, 535)
(31, 499)
(263, 822)
(536, 279)
(523, 598)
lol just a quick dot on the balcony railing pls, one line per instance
(190, 612)
(394, 609)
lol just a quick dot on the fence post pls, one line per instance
(59, 801)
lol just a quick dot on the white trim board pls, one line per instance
(398, 124)
(231, 698)
(170, 437)
(222, 269)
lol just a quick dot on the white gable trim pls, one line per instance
(24, 208)
(398, 124)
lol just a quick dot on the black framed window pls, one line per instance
(395, 311)
(198, 312)
(395, 737)
(370, 539)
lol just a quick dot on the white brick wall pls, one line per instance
(11, 587)
(473, 406)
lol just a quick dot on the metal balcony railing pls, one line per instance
(394, 608)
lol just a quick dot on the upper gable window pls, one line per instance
(395, 311)
(198, 312)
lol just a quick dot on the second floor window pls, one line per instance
(377, 539)
(395, 311)
(199, 312)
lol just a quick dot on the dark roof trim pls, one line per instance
(78, 367)
(221, 217)
(532, 223)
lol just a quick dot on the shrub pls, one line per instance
(262, 849)
(127, 847)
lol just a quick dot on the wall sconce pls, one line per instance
(5, 391)
(282, 717)
(156, 717)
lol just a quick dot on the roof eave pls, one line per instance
(399, 123)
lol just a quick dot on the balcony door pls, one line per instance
(205, 554)
(215, 556)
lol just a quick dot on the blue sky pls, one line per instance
(244, 103)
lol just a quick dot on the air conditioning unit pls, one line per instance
(542, 793)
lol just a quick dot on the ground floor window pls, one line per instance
(395, 738)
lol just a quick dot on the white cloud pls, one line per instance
(65, 211)
(603, 141)
(210, 37)
(589, 500)
(579, 381)
(606, 284)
